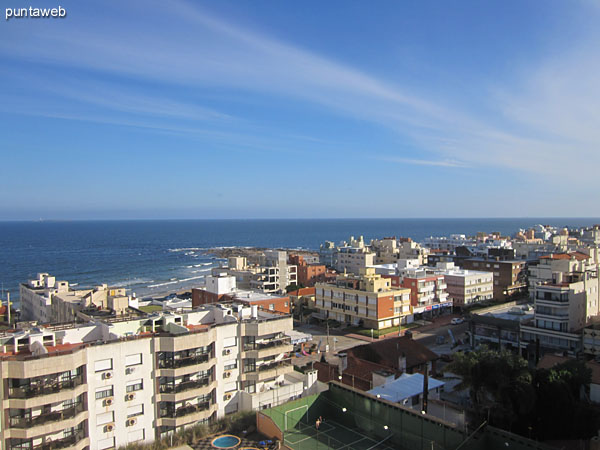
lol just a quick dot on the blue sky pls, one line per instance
(301, 109)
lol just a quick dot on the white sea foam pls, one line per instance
(176, 281)
(186, 249)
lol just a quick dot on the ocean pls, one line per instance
(156, 256)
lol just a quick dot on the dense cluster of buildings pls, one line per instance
(99, 368)
(111, 376)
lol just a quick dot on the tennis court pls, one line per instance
(330, 435)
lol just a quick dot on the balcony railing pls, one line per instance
(183, 362)
(551, 297)
(184, 386)
(54, 416)
(45, 389)
(268, 344)
(60, 443)
(274, 365)
(186, 410)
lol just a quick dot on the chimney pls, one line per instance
(402, 362)
(343, 361)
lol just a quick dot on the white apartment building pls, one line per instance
(46, 300)
(353, 256)
(563, 306)
(273, 275)
(107, 383)
(557, 263)
(465, 287)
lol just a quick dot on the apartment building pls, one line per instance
(354, 256)
(288, 273)
(46, 300)
(466, 287)
(510, 277)
(367, 300)
(386, 250)
(309, 274)
(564, 305)
(104, 384)
(428, 290)
(223, 287)
(547, 265)
(272, 275)
(408, 249)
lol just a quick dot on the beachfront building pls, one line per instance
(46, 300)
(273, 274)
(354, 256)
(221, 287)
(466, 287)
(110, 382)
(367, 300)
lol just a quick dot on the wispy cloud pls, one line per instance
(545, 123)
(426, 162)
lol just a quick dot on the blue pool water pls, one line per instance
(226, 441)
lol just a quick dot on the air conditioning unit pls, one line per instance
(108, 401)
(227, 351)
(130, 396)
(107, 375)
(226, 396)
(129, 370)
(226, 374)
(131, 422)
(109, 427)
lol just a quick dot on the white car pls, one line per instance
(457, 321)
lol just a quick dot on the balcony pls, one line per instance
(183, 362)
(55, 416)
(60, 443)
(187, 414)
(31, 391)
(184, 386)
(269, 348)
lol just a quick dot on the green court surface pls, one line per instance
(330, 435)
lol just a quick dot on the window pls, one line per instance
(136, 410)
(136, 385)
(134, 436)
(230, 366)
(105, 418)
(250, 387)
(230, 342)
(106, 443)
(133, 360)
(103, 364)
(272, 307)
(229, 387)
(104, 392)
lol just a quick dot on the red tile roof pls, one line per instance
(303, 291)
(577, 255)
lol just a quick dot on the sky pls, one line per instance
(312, 109)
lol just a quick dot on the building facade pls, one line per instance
(367, 300)
(108, 383)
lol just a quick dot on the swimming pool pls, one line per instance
(226, 441)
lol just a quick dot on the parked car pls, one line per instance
(457, 321)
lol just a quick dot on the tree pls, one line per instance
(561, 412)
(499, 384)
